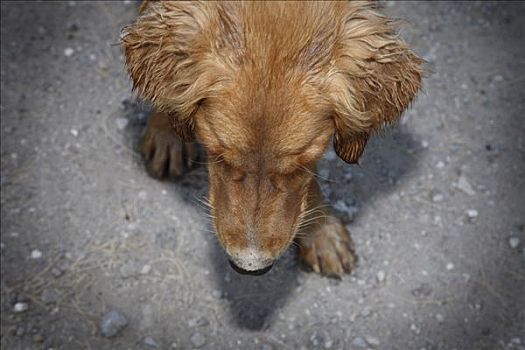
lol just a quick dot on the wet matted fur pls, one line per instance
(264, 87)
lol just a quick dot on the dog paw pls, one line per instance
(165, 153)
(327, 248)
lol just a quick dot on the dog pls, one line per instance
(264, 87)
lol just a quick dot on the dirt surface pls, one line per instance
(436, 209)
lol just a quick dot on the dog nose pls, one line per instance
(250, 272)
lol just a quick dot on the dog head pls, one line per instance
(264, 87)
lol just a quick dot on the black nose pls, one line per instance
(252, 272)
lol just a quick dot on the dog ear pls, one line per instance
(376, 77)
(161, 50)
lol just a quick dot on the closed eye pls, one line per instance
(238, 175)
(233, 173)
(287, 181)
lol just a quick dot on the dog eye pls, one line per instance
(238, 175)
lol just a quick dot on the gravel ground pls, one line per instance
(97, 255)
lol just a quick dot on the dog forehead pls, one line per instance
(267, 133)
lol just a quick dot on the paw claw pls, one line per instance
(328, 249)
(166, 155)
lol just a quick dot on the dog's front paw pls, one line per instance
(166, 155)
(327, 248)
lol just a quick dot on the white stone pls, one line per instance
(121, 123)
(472, 213)
(381, 276)
(438, 197)
(373, 341)
(145, 269)
(68, 51)
(359, 342)
(514, 242)
(465, 186)
(21, 307)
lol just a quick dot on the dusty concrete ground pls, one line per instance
(437, 205)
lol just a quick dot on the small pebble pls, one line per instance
(198, 322)
(366, 311)
(227, 277)
(20, 331)
(321, 338)
(440, 318)
(472, 213)
(145, 269)
(423, 290)
(38, 338)
(198, 339)
(424, 143)
(359, 342)
(440, 165)
(129, 269)
(20, 307)
(121, 123)
(68, 51)
(450, 266)
(341, 206)
(372, 341)
(330, 155)
(324, 174)
(437, 197)
(49, 296)
(36, 254)
(381, 276)
(465, 186)
(498, 78)
(351, 211)
(514, 242)
(149, 341)
(414, 328)
(57, 272)
(74, 132)
(266, 347)
(112, 324)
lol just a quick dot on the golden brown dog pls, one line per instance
(264, 87)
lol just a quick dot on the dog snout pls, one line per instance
(250, 272)
(251, 262)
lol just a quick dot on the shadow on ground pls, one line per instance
(254, 300)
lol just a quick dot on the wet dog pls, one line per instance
(264, 87)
